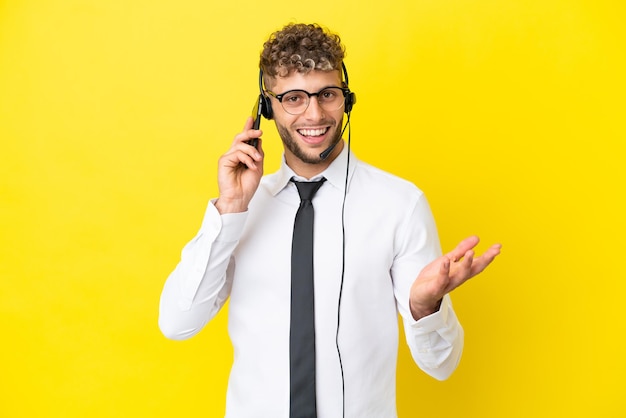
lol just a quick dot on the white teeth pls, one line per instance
(312, 132)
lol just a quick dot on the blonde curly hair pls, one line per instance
(300, 47)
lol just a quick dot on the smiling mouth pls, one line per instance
(313, 132)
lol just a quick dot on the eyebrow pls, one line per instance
(306, 91)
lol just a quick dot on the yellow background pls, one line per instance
(509, 114)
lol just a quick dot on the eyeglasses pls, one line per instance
(296, 102)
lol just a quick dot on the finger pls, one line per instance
(466, 262)
(245, 137)
(260, 148)
(248, 133)
(480, 263)
(461, 270)
(242, 155)
(463, 247)
(249, 123)
(240, 143)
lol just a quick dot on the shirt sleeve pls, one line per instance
(199, 285)
(435, 341)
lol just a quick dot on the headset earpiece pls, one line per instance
(264, 100)
(350, 98)
(266, 106)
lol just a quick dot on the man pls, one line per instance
(376, 253)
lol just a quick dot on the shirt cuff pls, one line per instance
(435, 321)
(229, 225)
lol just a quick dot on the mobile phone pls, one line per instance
(257, 110)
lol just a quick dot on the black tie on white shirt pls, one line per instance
(302, 332)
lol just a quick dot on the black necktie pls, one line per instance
(302, 333)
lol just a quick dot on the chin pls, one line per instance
(305, 152)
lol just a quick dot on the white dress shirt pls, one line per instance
(390, 235)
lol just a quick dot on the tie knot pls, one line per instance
(307, 189)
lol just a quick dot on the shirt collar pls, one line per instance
(335, 173)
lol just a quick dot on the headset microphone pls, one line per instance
(324, 154)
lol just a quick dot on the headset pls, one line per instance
(265, 105)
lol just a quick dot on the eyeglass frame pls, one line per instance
(344, 91)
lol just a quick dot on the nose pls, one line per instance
(314, 111)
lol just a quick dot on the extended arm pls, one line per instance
(435, 335)
(433, 332)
